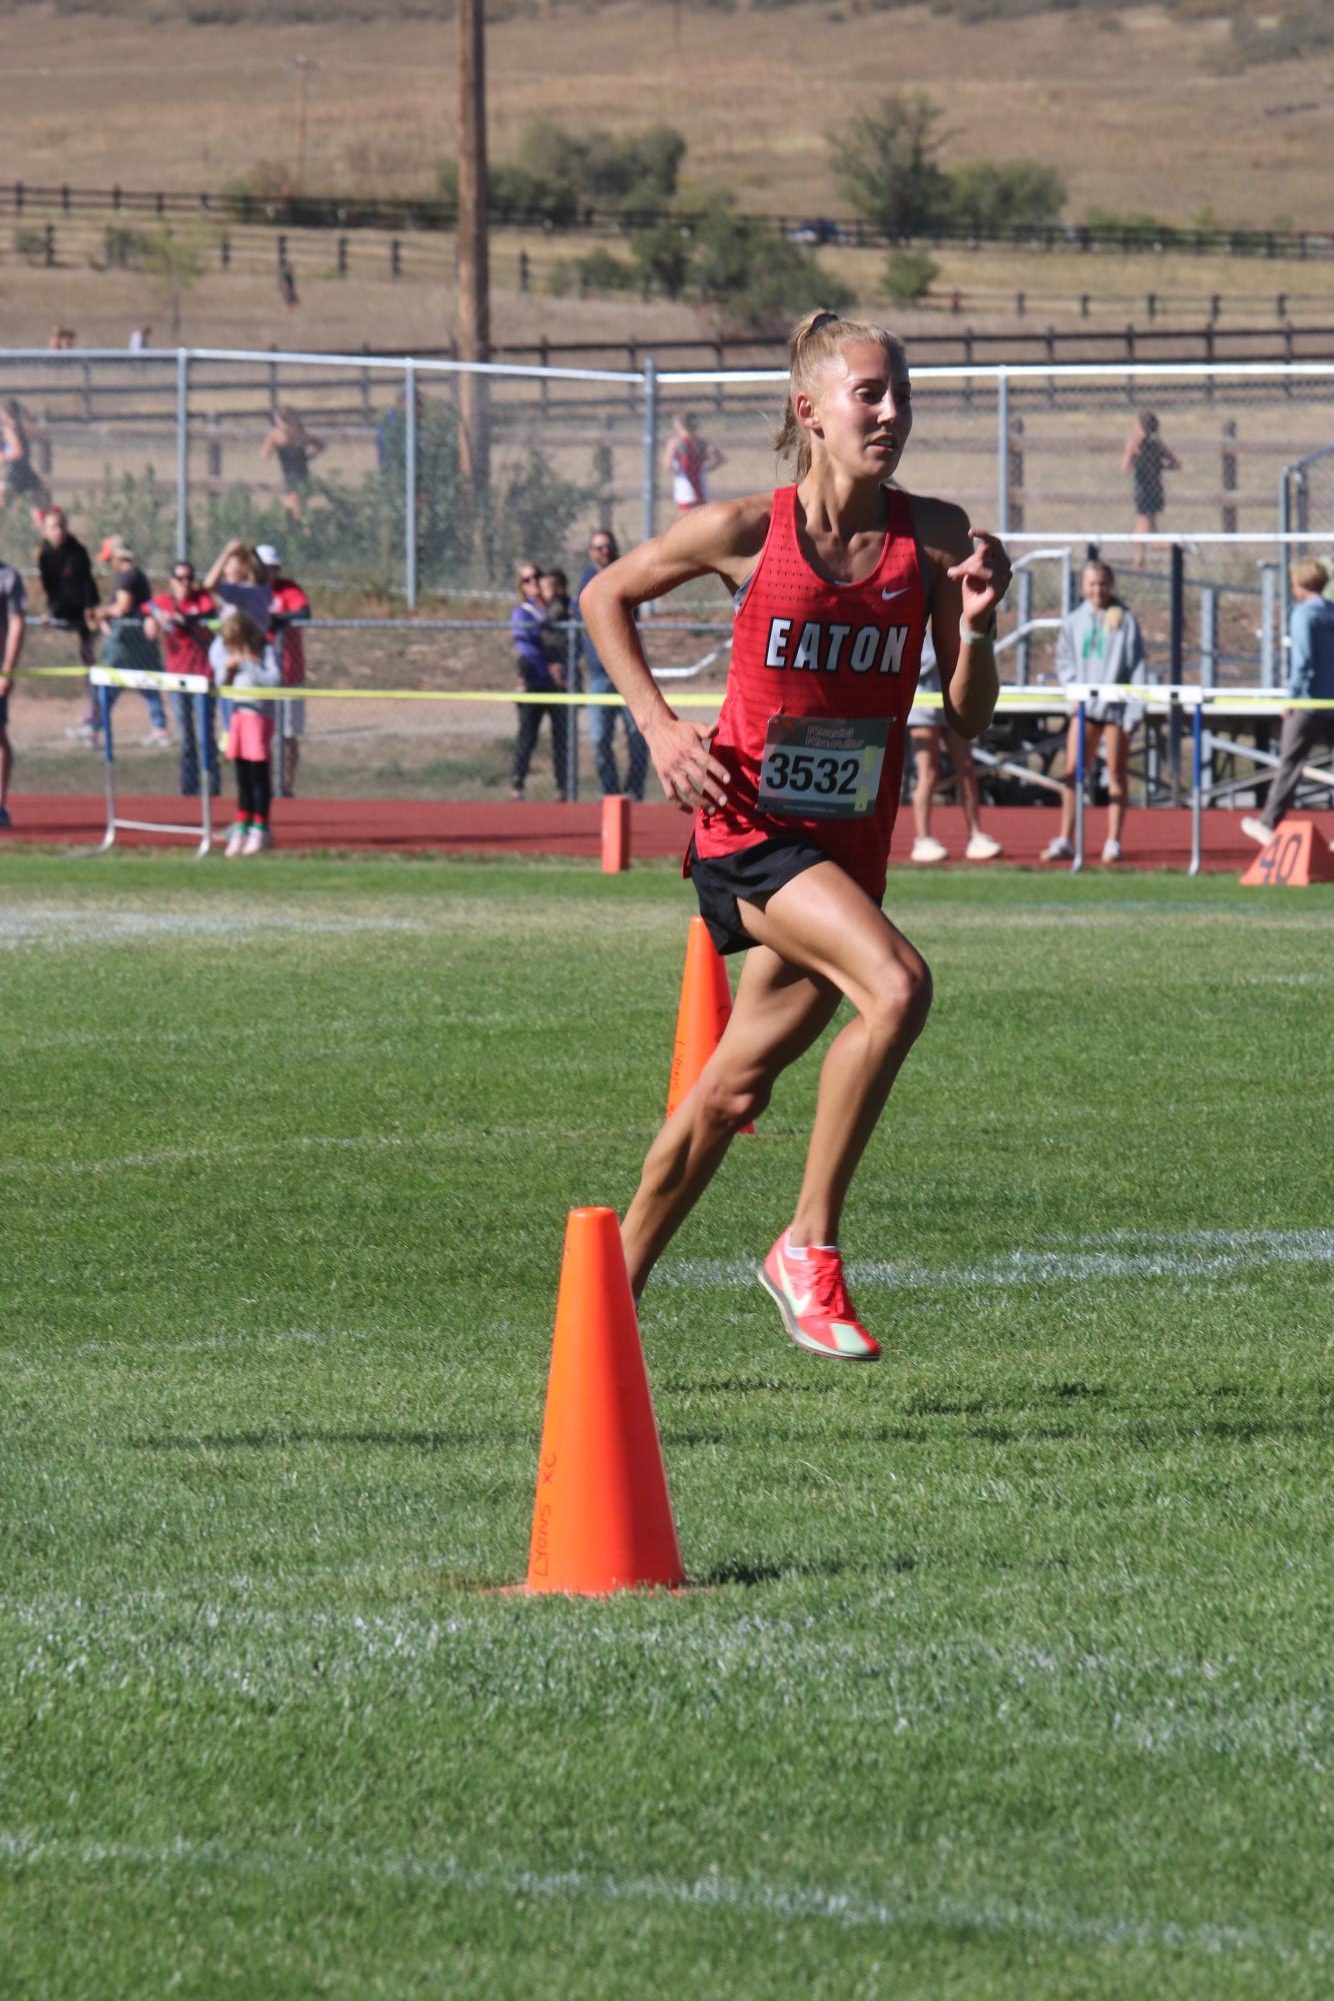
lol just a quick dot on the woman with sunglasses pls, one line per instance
(537, 675)
(794, 789)
(182, 612)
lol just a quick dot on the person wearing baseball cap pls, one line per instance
(130, 631)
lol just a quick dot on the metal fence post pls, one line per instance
(572, 713)
(650, 444)
(1178, 670)
(1025, 611)
(1285, 548)
(1196, 787)
(410, 485)
(1003, 451)
(182, 454)
(1077, 861)
(1208, 668)
(1268, 606)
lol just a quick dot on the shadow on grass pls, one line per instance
(265, 1441)
(735, 1570)
(705, 1385)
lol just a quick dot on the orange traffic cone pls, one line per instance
(704, 1011)
(1293, 858)
(603, 1519)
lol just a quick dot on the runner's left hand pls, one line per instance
(983, 577)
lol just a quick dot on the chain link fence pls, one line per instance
(357, 469)
(368, 473)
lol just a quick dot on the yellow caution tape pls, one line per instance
(1035, 698)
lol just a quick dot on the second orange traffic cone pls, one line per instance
(603, 1519)
(703, 1013)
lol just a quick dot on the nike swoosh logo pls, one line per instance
(894, 594)
(799, 1301)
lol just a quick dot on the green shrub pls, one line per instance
(30, 243)
(125, 248)
(599, 271)
(909, 276)
(990, 197)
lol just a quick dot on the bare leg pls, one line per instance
(779, 1012)
(961, 757)
(821, 920)
(1118, 764)
(1145, 524)
(1092, 733)
(926, 749)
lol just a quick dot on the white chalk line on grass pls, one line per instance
(1204, 1254)
(74, 924)
(178, 1156)
(712, 1891)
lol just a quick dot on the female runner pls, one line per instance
(794, 789)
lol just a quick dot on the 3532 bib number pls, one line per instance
(820, 768)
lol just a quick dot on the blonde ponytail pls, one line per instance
(814, 342)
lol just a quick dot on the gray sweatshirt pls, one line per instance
(1103, 646)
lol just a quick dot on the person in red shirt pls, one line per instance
(183, 612)
(291, 610)
(794, 789)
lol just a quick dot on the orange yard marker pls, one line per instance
(603, 1517)
(703, 1013)
(615, 833)
(1296, 856)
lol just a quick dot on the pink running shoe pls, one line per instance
(813, 1300)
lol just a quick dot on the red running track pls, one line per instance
(1154, 840)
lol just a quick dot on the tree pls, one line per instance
(991, 197)
(888, 167)
(174, 263)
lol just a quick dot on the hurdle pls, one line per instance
(104, 679)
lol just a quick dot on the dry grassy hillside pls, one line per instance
(1134, 106)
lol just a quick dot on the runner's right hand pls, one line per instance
(690, 776)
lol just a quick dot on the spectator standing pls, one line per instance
(129, 632)
(248, 662)
(1146, 457)
(138, 340)
(688, 460)
(23, 482)
(182, 613)
(931, 735)
(602, 550)
(1099, 641)
(239, 579)
(70, 588)
(293, 446)
(13, 623)
(291, 610)
(537, 675)
(1310, 679)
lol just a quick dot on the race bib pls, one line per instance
(819, 768)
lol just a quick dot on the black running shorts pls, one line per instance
(752, 874)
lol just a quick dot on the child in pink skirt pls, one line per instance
(249, 663)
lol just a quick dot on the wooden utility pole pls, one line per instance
(473, 258)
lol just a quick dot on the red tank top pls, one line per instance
(803, 647)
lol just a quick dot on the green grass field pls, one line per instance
(1007, 1671)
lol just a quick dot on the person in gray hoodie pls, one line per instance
(1100, 642)
(1310, 679)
